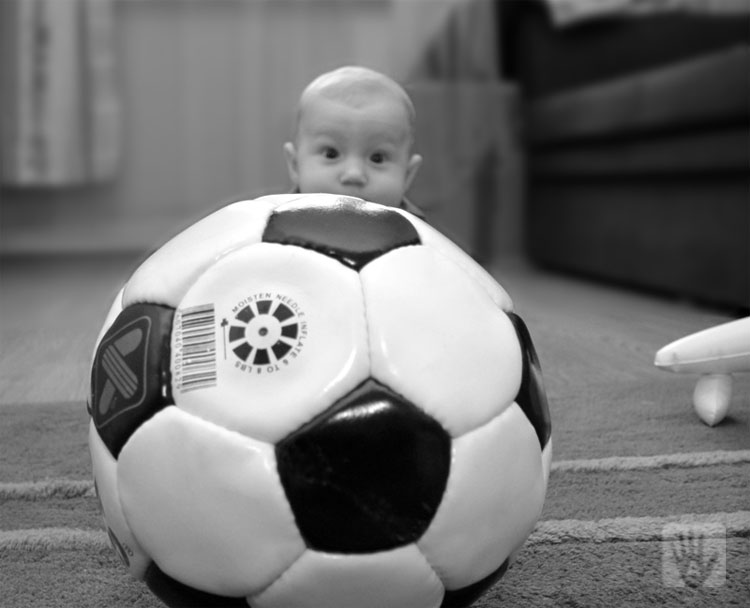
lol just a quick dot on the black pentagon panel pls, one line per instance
(178, 595)
(532, 397)
(466, 596)
(349, 230)
(366, 475)
(130, 378)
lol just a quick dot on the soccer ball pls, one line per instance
(316, 401)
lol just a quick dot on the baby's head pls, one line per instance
(354, 136)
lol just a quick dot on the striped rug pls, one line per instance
(667, 529)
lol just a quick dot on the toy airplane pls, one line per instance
(715, 353)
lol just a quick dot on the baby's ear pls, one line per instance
(290, 153)
(411, 170)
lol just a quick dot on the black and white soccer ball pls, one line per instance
(315, 401)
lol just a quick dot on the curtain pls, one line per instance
(59, 97)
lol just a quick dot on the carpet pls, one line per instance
(645, 505)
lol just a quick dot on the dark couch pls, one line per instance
(637, 138)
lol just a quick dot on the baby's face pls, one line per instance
(355, 151)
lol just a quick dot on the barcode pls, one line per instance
(195, 359)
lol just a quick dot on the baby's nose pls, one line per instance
(353, 173)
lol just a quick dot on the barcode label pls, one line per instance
(195, 348)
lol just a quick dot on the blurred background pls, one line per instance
(608, 139)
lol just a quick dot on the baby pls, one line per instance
(354, 136)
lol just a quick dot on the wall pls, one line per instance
(208, 91)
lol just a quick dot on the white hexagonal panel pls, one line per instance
(436, 240)
(267, 338)
(164, 277)
(105, 473)
(400, 578)
(437, 338)
(494, 497)
(295, 201)
(207, 504)
(112, 315)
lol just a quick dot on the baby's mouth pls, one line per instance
(351, 191)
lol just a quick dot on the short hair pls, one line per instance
(356, 85)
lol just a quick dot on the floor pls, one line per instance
(51, 310)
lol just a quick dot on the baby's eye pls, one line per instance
(378, 157)
(330, 152)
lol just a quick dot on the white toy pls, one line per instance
(715, 353)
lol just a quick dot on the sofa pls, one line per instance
(637, 143)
